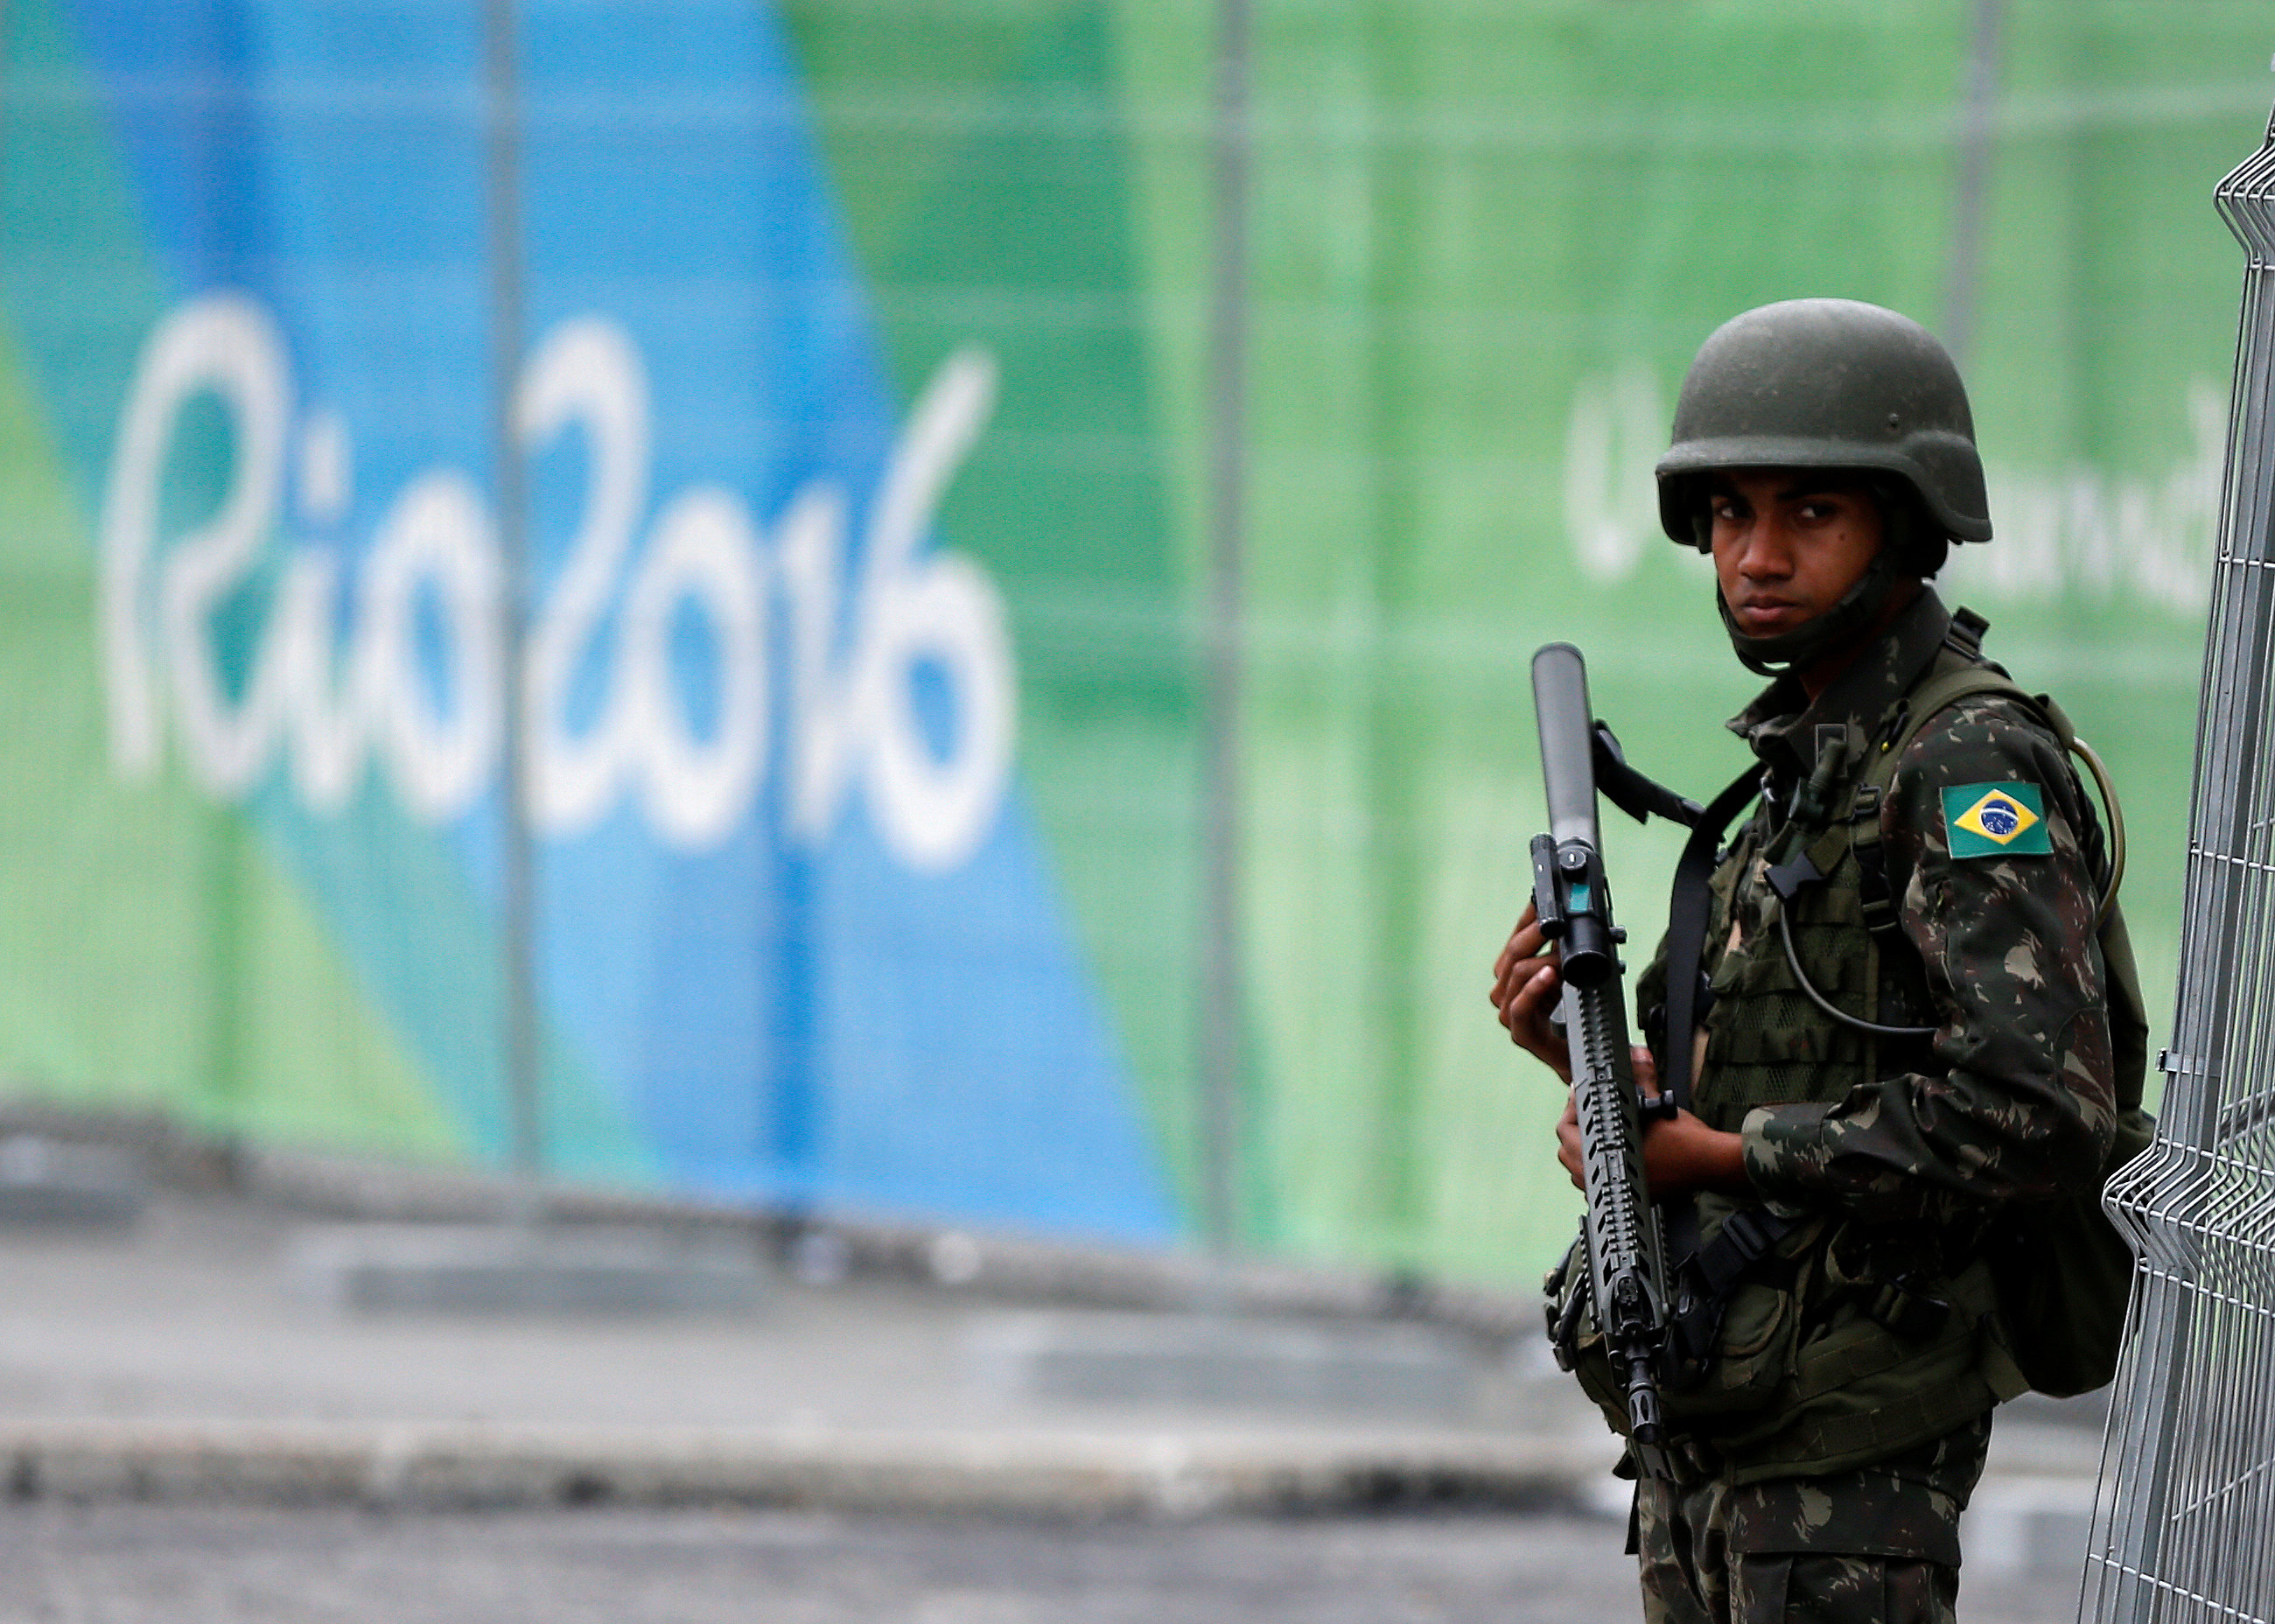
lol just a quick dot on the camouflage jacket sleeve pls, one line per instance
(2019, 1104)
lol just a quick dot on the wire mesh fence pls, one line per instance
(2185, 1516)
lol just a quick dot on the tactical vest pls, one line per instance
(1767, 1042)
(1847, 1343)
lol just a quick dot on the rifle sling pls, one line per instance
(1686, 931)
(1640, 796)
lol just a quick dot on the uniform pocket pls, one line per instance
(1758, 1588)
(1761, 1322)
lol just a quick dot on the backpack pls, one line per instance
(2063, 1274)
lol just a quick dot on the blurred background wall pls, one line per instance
(967, 612)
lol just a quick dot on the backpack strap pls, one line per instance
(1941, 691)
(1905, 722)
(2128, 1007)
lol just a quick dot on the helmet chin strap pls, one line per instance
(1844, 622)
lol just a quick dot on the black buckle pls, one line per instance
(1965, 633)
(1748, 1235)
(1915, 1316)
(1786, 879)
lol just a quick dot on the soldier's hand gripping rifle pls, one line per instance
(1626, 1271)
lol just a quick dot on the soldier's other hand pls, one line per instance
(1525, 990)
(1682, 1154)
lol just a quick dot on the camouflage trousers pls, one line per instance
(1875, 1545)
(1797, 1589)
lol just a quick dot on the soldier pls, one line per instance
(1912, 1025)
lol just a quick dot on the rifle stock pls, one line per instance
(1626, 1271)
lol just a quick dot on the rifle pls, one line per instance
(1627, 1268)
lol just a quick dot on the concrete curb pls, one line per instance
(436, 1467)
(820, 1247)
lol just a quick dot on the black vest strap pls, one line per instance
(1686, 931)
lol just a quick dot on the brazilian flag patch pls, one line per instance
(1992, 821)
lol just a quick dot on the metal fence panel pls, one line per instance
(2186, 1513)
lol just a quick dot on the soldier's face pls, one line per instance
(1788, 543)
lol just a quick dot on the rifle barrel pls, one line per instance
(1567, 765)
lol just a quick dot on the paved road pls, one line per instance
(145, 1565)
(183, 1323)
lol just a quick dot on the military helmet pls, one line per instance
(1826, 383)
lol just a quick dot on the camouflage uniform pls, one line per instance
(1878, 1542)
(1903, 1146)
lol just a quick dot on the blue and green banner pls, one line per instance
(785, 431)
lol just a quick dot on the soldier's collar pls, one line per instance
(1781, 725)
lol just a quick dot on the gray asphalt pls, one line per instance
(143, 1564)
(177, 1337)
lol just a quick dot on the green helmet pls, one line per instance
(1826, 383)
